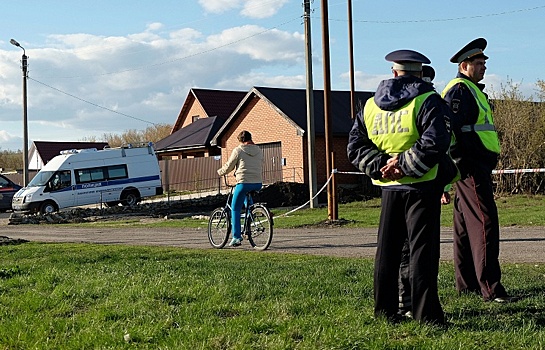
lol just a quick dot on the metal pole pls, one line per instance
(311, 137)
(351, 58)
(24, 66)
(331, 204)
(25, 123)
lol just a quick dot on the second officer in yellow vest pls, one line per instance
(475, 150)
(400, 141)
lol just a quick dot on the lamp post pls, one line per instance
(24, 66)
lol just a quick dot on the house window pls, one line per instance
(194, 118)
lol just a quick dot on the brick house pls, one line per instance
(205, 133)
(204, 111)
(277, 119)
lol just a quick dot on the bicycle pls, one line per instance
(257, 227)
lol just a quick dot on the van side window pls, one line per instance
(89, 175)
(117, 172)
(111, 172)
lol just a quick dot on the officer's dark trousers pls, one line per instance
(415, 215)
(477, 237)
(404, 283)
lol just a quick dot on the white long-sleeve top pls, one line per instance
(247, 159)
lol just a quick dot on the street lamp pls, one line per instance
(24, 66)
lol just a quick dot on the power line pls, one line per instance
(445, 19)
(153, 65)
(91, 103)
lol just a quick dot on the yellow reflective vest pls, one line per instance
(394, 132)
(484, 127)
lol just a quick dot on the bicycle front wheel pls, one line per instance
(219, 227)
(261, 227)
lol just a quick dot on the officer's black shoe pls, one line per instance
(506, 299)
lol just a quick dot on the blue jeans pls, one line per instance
(239, 197)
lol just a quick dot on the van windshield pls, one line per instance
(41, 179)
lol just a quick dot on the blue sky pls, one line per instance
(99, 67)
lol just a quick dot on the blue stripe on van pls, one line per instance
(114, 182)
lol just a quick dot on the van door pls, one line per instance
(90, 182)
(60, 188)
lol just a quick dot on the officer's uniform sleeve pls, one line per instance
(463, 106)
(433, 124)
(362, 152)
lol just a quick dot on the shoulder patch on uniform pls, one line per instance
(455, 105)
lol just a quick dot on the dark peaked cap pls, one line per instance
(407, 60)
(474, 49)
(428, 73)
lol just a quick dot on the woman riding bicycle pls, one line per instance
(247, 161)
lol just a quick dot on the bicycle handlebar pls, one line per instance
(226, 182)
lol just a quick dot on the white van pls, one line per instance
(90, 176)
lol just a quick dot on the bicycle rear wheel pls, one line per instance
(219, 227)
(261, 227)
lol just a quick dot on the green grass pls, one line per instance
(75, 296)
(513, 210)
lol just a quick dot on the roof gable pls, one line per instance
(218, 103)
(292, 104)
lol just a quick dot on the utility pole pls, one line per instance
(331, 191)
(311, 137)
(351, 58)
(24, 66)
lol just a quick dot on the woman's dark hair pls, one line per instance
(244, 136)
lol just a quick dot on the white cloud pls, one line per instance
(219, 6)
(260, 79)
(496, 84)
(262, 9)
(9, 141)
(142, 75)
(364, 81)
(262, 44)
(154, 26)
(248, 8)
(5, 136)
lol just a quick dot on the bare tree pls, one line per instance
(520, 122)
(152, 133)
(11, 160)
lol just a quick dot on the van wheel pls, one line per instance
(48, 207)
(130, 198)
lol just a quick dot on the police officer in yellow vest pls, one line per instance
(428, 74)
(475, 149)
(400, 140)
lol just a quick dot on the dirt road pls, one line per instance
(518, 244)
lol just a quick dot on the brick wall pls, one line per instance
(195, 109)
(266, 125)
